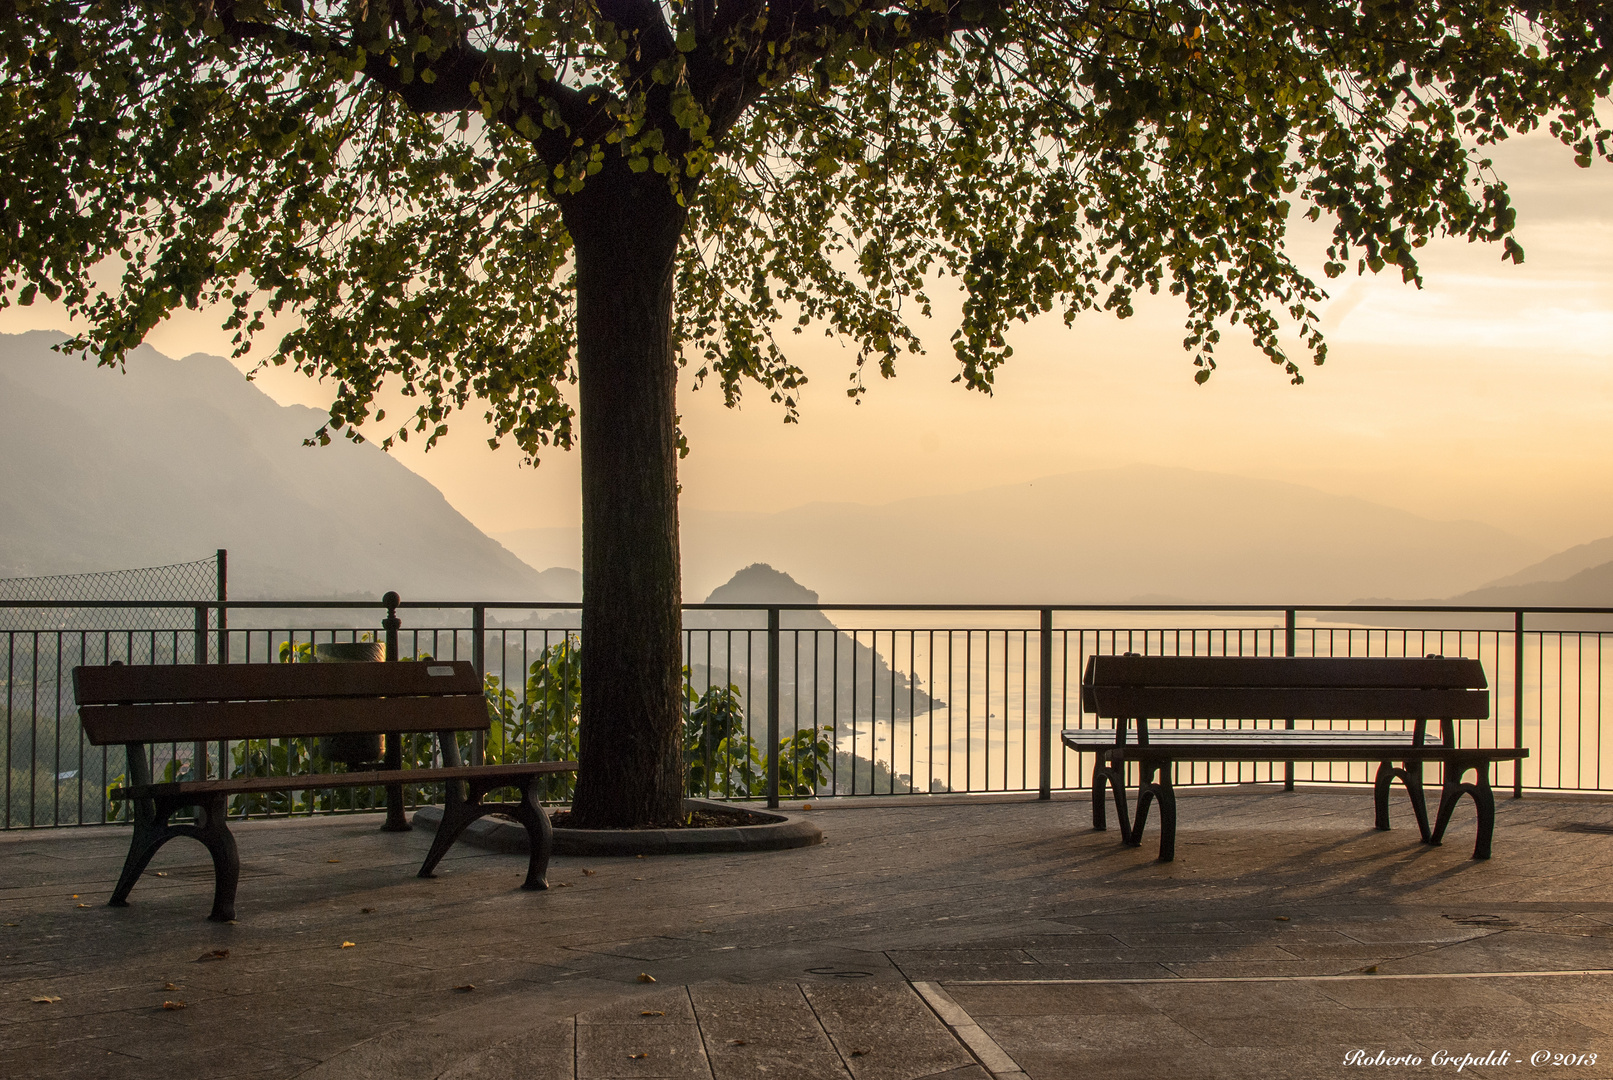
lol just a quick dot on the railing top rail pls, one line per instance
(572, 605)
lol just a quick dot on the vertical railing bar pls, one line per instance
(478, 659)
(1044, 787)
(1289, 623)
(834, 705)
(772, 705)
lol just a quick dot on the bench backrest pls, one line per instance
(208, 702)
(1287, 688)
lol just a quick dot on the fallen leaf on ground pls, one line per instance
(652, 1012)
(172, 986)
(561, 885)
(806, 806)
(349, 944)
(1282, 918)
(333, 860)
(466, 988)
(859, 1053)
(173, 1006)
(645, 976)
(736, 1042)
(708, 931)
(46, 999)
(83, 905)
(216, 954)
(160, 873)
(75, 896)
(1371, 969)
(638, 856)
(366, 911)
(13, 924)
(589, 873)
(637, 1056)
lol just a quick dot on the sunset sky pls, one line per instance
(1486, 395)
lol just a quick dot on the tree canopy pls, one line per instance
(486, 201)
(390, 170)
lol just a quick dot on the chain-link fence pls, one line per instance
(49, 625)
(187, 584)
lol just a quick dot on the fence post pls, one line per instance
(772, 707)
(223, 612)
(1288, 650)
(395, 821)
(1045, 791)
(1517, 700)
(198, 750)
(478, 657)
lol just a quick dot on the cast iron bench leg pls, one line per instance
(458, 813)
(1146, 790)
(152, 831)
(1483, 802)
(1414, 787)
(1411, 774)
(1165, 792)
(539, 833)
(1116, 772)
(1100, 792)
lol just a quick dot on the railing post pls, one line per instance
(1517, 700)
(200, 652)
(1045, 791)
(395, 821)
(223, 612)
(1288, 650)
(772, 707)
(478, 657)
(198, 750)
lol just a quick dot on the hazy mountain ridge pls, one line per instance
(174, 458)
(1110, 536)
(1127, 535)
(1590, 587)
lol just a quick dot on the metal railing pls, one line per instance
(884, 700)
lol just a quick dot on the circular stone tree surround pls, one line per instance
(753, 830)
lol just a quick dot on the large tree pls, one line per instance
(486, 201)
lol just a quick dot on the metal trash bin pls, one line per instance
(360, 748)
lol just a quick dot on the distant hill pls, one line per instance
(1582, 576)
(175, 458)
(1561, 566)
(1588, 588)
(848, 667)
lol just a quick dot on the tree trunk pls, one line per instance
(626, 228)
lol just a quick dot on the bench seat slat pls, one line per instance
(1408, 672)
(1312, 753)
(1237, 736)
(321, 781)
(213, 720)
(110, 685)
(1300, 703)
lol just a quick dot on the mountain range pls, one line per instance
(1127, 535)
(171, 459)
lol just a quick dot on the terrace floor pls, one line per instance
(964, 939)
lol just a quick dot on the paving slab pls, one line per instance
(1287, 935)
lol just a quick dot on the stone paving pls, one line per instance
(962, 939)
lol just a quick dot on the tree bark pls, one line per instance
(626, 228)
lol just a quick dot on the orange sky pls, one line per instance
(1486, 395)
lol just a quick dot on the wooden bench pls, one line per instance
(202, 703)
(1132, 690)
